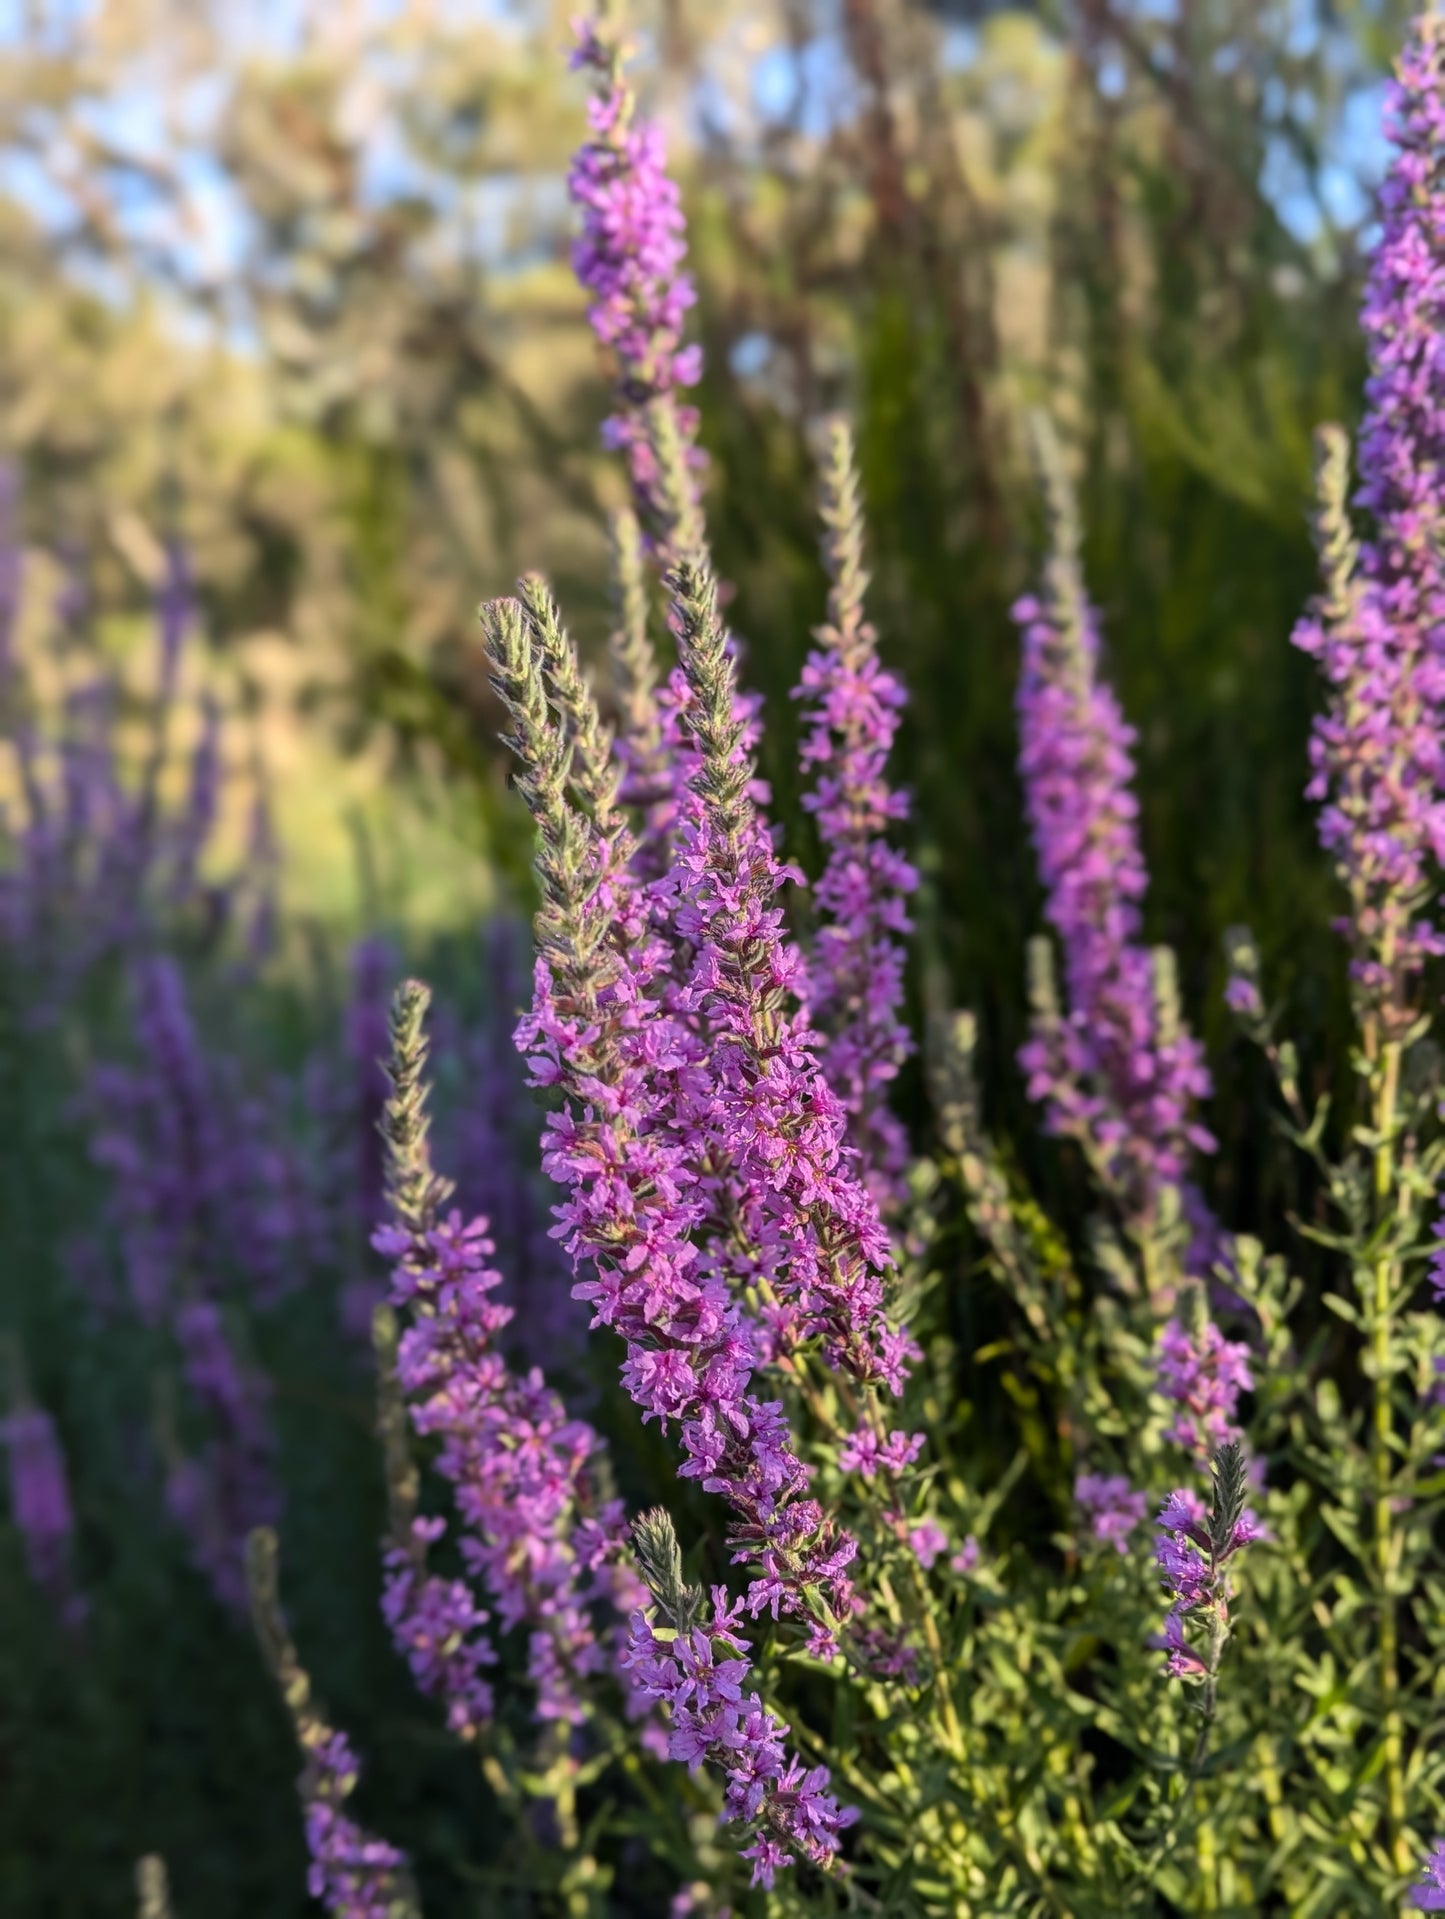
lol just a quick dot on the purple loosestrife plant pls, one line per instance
(434, 1622)
(596, 1034)
(698, 1669)
(629, 259)
(1376, 632)
(352, 1874)
(822, 1251)
(1194, 1547)
(533, 1527)
(1115, 1067)
(854, 982)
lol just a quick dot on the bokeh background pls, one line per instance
(285, 297)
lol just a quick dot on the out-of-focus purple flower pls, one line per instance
(1114, 1067)
(866, 1454)
(629, 258)
(965, 1560)
(929, 1542)
(220, 1494)
(1203, 1373)
(1242, 996)
(1376, 631)
(1429, 1894)
(1111, 1506)
(40, 1505)
(854, 980)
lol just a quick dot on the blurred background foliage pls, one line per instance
(290, 285)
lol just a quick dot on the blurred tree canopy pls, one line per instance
(298, 292)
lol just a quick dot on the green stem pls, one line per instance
(1387, 1081)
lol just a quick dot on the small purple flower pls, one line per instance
(965, 1560)
(1241, 996)
(1193, 1549)
(867, 1455)
(1111, 1506)
(1429, 1894)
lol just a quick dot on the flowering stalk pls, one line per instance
(597, 1034)
(534, 1532)
(687, 1666)
(854, 983)
(352, 1874)
(1376, 752)
(1114, 1067)
(629, 259)
(1193, 1550)
(817, 1231)
(435, 1623)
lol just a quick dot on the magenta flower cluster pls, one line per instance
(532, 1533)
(854, 984)
(1107, 1070)
(629, 259)
(1376, 751)
(352, 1873)
(702, 1679)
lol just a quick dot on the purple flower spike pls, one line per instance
(533, 1529)
(854, 983)
(1110, 1067)
(629, 259)
(1194, 1548)
(701, 1673)
(1377, 629)
(628, 1142)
